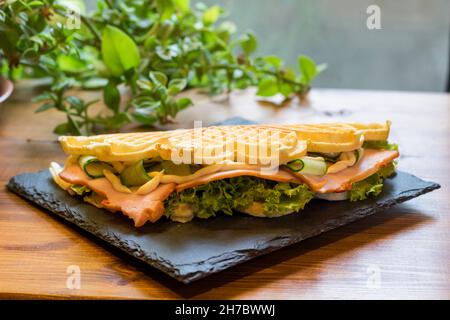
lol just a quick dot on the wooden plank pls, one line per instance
(408, 246)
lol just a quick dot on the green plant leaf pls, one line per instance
(70, 64)
(274, 61)
(76, 5)
(94, 83)
(249, 43)
(45, 96)
(167, 53)
(147, 115)
(286, 89)
(61, 129)
(171, 107)
(165, 8)
(111, 96)
(182, 5)
(45, 106)
(145, 84)
(119, 51)
(35, 3)
(309, 70)
(158, 78)
(267, 87)
(289, 74)
(183, 103)
(76, 103)
(176, 86)
(62, 84)
(118, 120)
(8, 40)
(143, 117)
(72, 126)
(211, 15)
(320, 68)
(160, 94)
(307, 67)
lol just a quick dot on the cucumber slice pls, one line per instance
(134, 175)
(329, 157)
(335, 196)
(93, 167)
(307, 165)
(153, 166)
(358, 155)
(176, 169)
(296, 165)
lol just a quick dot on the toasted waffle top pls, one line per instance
(250, 144)
(255, 144)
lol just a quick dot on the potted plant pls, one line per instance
(153, 48)
(6, 88)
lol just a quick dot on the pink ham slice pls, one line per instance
(280, 176)
(140, 208)
(369, 164)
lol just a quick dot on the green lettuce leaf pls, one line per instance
(380, 144)
(80, 190)
(371, 186)
(237, 193)
(387, 170)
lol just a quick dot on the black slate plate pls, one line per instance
(197, 249)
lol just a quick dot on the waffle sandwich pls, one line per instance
(260, 170)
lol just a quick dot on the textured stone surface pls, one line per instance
(194, 250)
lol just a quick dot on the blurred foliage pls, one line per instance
(155, 48)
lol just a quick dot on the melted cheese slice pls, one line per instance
(372, 161)
(140, 208)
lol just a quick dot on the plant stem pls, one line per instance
(109, 4)
(94, 31)
(302, 91)
(86, 122)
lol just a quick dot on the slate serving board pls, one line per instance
(192, 251)
(197, 249)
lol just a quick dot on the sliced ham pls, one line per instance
(140, 208)
(75, 175)
(369, 164)
(280, 176)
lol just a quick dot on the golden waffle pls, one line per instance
(250, 144)
(373, 131)
(326, 137)
(121, 146)
(254, 144)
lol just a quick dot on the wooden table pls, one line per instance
(400, 253)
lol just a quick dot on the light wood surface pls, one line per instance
(406, 248)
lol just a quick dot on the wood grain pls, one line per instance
(408, 246)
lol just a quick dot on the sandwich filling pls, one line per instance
(147, 189)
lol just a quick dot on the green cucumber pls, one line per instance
(308, 165)
(171, 168)
(134, 175)
(329, 157)
(93, 167)
(358, 155)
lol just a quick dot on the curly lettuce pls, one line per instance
(238, 193)
(79, 189)
(371, 186)
(380, 144)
